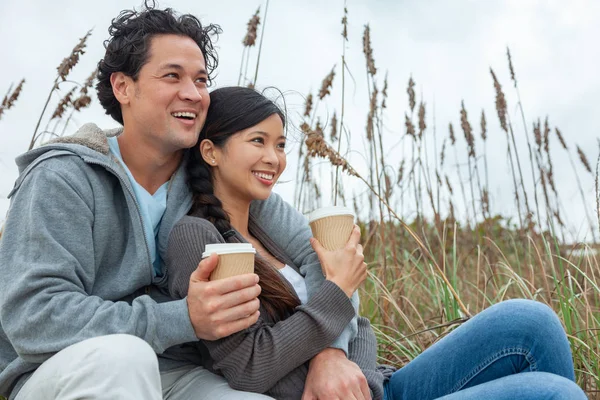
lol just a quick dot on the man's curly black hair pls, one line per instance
(129, 43)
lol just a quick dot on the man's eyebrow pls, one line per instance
(178, 67)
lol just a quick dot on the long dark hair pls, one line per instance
(127, 49)
(233, 109)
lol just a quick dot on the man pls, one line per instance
(83, 312)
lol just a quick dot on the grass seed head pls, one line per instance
(510, 67)
(411, 94)
(483, 126)
(561, 139)
(308, 105)
(537, 134)
(251, 33)
(410, 128)
(68, 63)
(334, 123)
(452, 136)
(468, 131)
(546, 136)
(327, 84)
(345, 24)
(584, 160)
(449, 185)
(501, 106)
(368, 51)
(9, 101)
(63, 104)
(422, 124)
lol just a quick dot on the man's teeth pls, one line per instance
(184, 114)
(264, 176)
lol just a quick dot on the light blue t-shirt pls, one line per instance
(152, 208)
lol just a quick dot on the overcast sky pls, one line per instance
(447, 46)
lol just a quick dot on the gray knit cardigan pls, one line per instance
(272, 357)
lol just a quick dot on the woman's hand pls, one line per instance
(345, 267)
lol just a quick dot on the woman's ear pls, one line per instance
(208, 152)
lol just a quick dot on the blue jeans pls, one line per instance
(514, 350)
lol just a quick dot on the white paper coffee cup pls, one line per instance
(332, 226)
(234, 259)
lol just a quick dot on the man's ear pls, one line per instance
(209, 152)
(122, 86)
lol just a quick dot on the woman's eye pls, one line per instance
(281, 145)
(258, 140)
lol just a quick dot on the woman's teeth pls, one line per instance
(264, 176)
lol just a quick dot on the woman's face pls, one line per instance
(251, 161)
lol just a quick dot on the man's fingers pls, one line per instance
(233, 284)
(238, 325)
(205, 268)
(354, 237)
(237, 312)
(235, 298)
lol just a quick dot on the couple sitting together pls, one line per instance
(105, 294)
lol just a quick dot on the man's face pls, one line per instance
(168, 103)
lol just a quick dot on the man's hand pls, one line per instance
(331, 376)
(222, 307)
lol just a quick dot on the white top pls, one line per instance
(297, 282)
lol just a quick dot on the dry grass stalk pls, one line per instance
(84, 99)
(411, 94)
(251, 33)
(537, 134)
(333, 135)
(371, 115)
(547, 137)
(317, 147)
(68, 63)
(368, 51)
(410, 128)
(451, 133)
(485, 201)
(63, 104)
(400, 173)
(327, 84)
(388, 187)
(384, 93)
(483, 125)
(422, 124)
(501, 106)
(345, 24)
(467, 130)
(584, 160)
(443, 154)
(510, 67)
(449, 185)
(561, 139)
(308, 105)
(10, 98)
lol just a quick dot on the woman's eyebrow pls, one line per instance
(263, 133)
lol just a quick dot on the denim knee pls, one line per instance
(529, 316)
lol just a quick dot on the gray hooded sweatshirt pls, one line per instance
(75, 263)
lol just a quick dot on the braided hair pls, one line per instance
(232, 110)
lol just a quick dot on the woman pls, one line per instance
(239, 157)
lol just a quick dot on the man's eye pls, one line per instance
(171, 75)
(202, 80)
